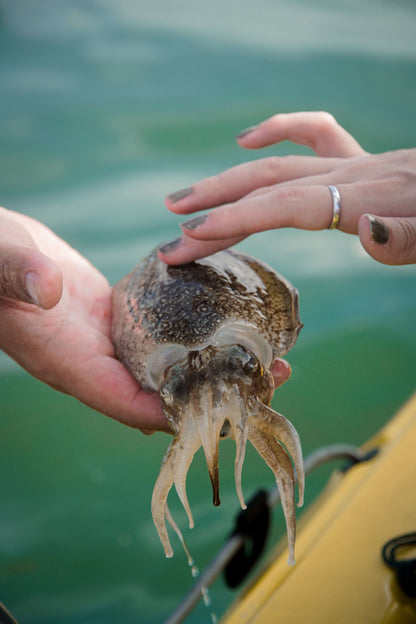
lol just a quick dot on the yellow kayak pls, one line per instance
(339, 575)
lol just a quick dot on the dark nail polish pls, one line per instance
(170, 247)
(380, 233)
(245, 132)
(174, 197)
(194, 223)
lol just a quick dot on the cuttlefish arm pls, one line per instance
(237, 419)
(174, 469)
(268, 431)
(201, 417)
(279, 462)
(276, 425)
(201, 423)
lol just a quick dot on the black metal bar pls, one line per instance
(5, 616)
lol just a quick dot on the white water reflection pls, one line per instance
(383, 28)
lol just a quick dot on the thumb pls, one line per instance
(390, 240)
(29, 276)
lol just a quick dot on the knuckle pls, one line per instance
(214, 181)
(326, 122)
(406, 178)
(214, 187)
(278, 168)
(278, 118)
(273, 167)
(406, 234)
(8, 279)
(288, 194)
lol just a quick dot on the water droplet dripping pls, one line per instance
(206, 596)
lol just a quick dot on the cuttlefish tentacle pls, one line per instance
(161, 490)
(172, 522)
(205, 421)
(189, 446)
(279, 427)
(237, 416)
(174, 469)
(279, 462)
(209, 419)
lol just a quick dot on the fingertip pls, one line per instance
(167, 251)
(389, 240)
(51, 286)
(244, 134)
(172, 207)
(174, 201)
(364, 234)
(43, 280)
(169, 260)
(185, 249)
(281, 371)
(193, 224)
(249, 138)
(374, 237)
(29, 276)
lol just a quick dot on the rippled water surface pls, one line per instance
(105, 107)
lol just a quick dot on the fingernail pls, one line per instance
(32, 285)
(174, 197)
(380, 233)
(194, 223)
(245, 132)
(170, 247)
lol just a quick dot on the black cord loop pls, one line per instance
(405, 569)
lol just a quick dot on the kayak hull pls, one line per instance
(339, 574)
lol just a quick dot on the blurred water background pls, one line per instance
(105, 107)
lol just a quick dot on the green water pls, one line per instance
(104, 108)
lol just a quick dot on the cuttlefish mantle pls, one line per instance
(204, 336)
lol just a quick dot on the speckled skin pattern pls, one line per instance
(186, 304)
(204, 335)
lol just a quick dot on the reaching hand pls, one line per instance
(55, 319)
(378, 193)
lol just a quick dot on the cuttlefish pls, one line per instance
(204, 336)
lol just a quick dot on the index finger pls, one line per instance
(236, 182)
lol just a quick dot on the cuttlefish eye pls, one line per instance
(239, 359)
(250, 365)
(174, 388)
